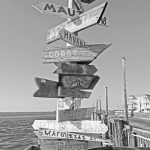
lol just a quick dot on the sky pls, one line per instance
(23, 37)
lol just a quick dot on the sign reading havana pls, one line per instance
(71, 38)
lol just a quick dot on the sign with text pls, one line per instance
(85, 20)
(75, 93)
(73, 53)
(47, 88)
(78, 81)
(50, 133)
(75, 114)
(73, 68)
(71, 38)
(84, 126)
(47, 8)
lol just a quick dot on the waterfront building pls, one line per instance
(139, 104)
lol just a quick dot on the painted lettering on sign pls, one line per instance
(67, 135)
(85, 20)
(48, 8)
(78, 81)
(77, 114)
(71, 38)
(73, 53)
(59, 53)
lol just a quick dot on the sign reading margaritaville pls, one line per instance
(50, 133)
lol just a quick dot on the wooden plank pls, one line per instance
(46, 7)
(47, 88)
(63, 144)
(75, 114)
(84, 126)
(85, 20)
(73, 53)
(76, 93)
(71, 38)
(50, 133)
(78, 81)
(73, 68)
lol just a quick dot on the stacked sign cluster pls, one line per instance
(73, 124)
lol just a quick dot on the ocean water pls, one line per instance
(16, 132)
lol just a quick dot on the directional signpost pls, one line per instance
(73, 124)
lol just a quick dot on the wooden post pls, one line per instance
(106, 116)
(106, 103)
(100, 110)
(124, 84)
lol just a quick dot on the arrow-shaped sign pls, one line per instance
(73, 54)
(76, 93)
(75, 114)
(48, 8)
(50, 133)
(71, 38)
(50, 89)
(84, 126)
(47, 88)
(78, 81)
(73, 68)
(84, 20)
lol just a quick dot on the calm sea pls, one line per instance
(16, 132)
